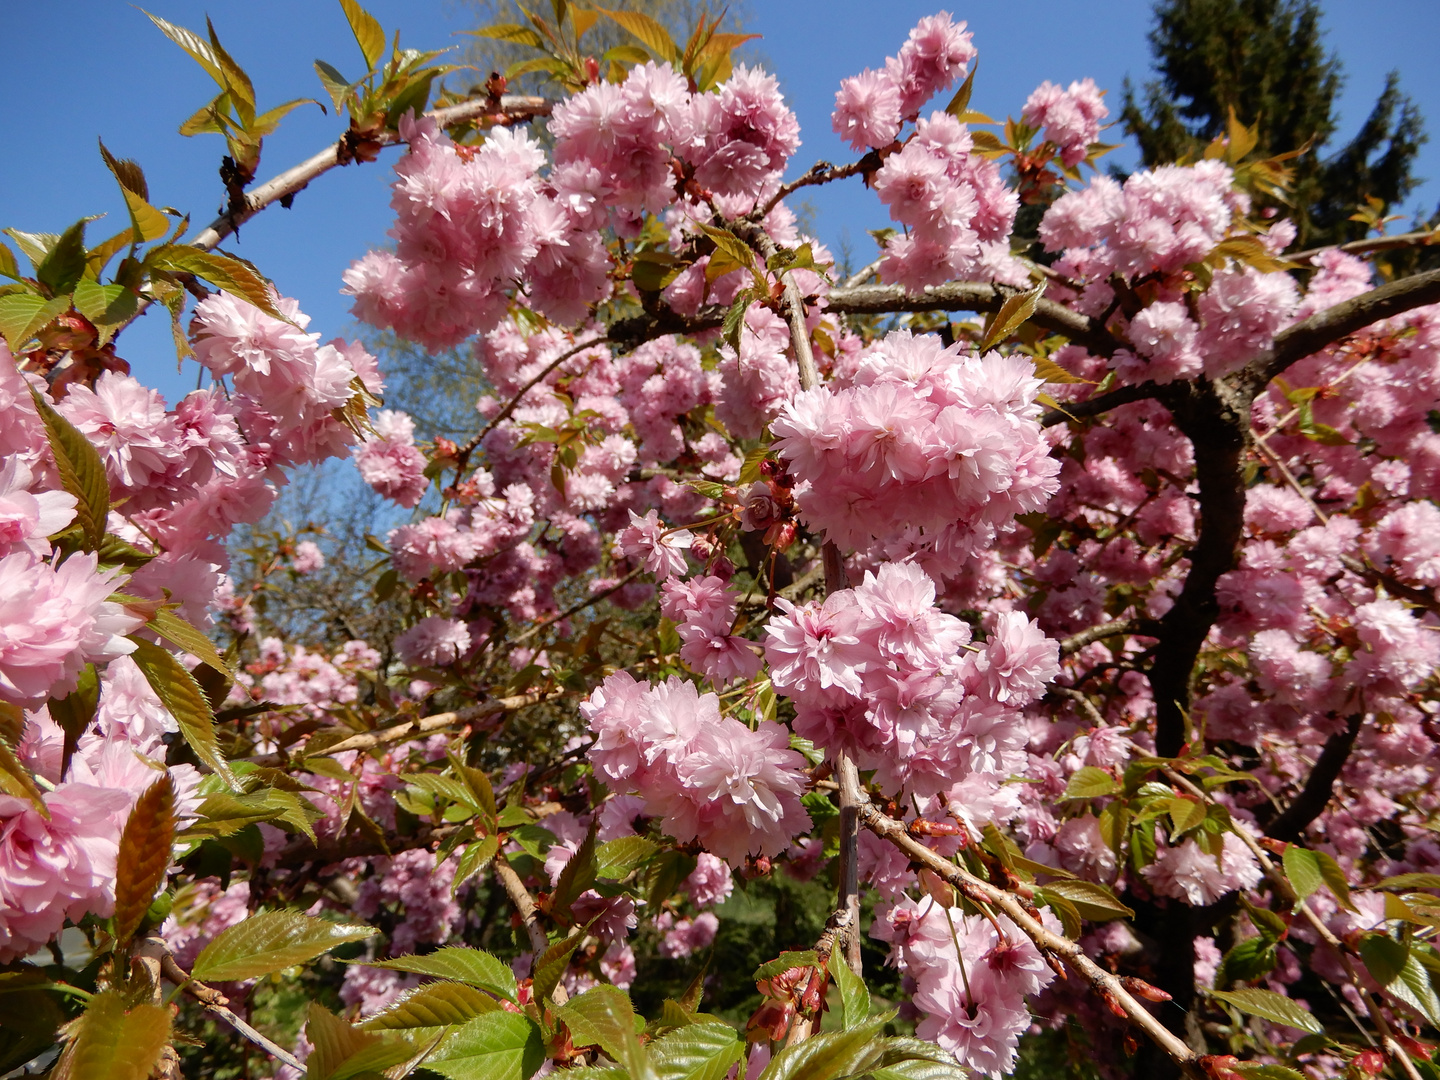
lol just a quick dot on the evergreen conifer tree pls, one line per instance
(1265, 60)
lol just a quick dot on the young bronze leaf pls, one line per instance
(222, 271)
(109, 1042)
(145, 853)
(1013, 312)
(648, 31)
(16, 780)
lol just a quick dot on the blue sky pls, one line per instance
(76, 70)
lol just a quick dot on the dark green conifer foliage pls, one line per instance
(1265, 60)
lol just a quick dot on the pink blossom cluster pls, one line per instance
(707, 776)
(972, 976)
(952, 202)
(1069, 118)
(389, 462)
(871, 107)
(615, 142)
(704, 609)
(924, 447)
(879, 671)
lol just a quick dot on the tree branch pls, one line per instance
(970, 296)
(511, 109)
(1108, 986)
(216, 1002)
(1329, 326)
(1076, 642)
(1421, 238)
(1125, 395)
(1319, 785)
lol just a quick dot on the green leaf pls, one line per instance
(604, 1017)
(109, 1042)
(1185, 814)
(1013, 312)
(496, 1046)
(145, 854)
(618, 858)
(369, 34)
(1248, 959)
(147, 222)
(181, 695)
(183, 635)
(433, 1005)
(475, 858)
(735, 320)
(551, 964)
(1271, 1006)
(1303, 870)
(854, 996)
(225, 813)
(521, 35)
(1093, 901)
(1090, 782)
(223, 271)
(342, 1050)
(1410, 881)
(791, 958)
(650, 33)
(269, 120)
(577, 875)
(269, 942)
(1335, 879)
(1413, 986)
(107, 306)
(470, 966)
(478, 783)
(8, 266)
(1051, 372)
(24, 314)
(64, 264)
(1384, 957)
(1260, 1071)
(696, 1052)
(829, 1055)
(242, 91)
(193, 44)
(336, 85)
(82, 473)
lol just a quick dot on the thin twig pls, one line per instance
(292, 180)
(1109, 986)
(1421, 238)
(216, 1002)
(822, 172)
(510, 406)
(575, 609)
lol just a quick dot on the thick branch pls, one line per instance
(1125, 395)
(293, 180)
(1108, 986)
(1076, 642)
(1394, 586)
(1422, 238)
(1216, 424)
(970, 296)
(1329, 326)
(1319, 786)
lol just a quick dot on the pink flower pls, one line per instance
(662, 550)
(26, 519)
(935, 57)
(54, 622)
(689, 936)
(867, 110)
(1190, 873)
(307, 558)
(1070, 118)
(710, 882)
(433, 642)
(57, 868)
(389, 462)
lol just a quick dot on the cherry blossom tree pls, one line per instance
(1081, 655)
